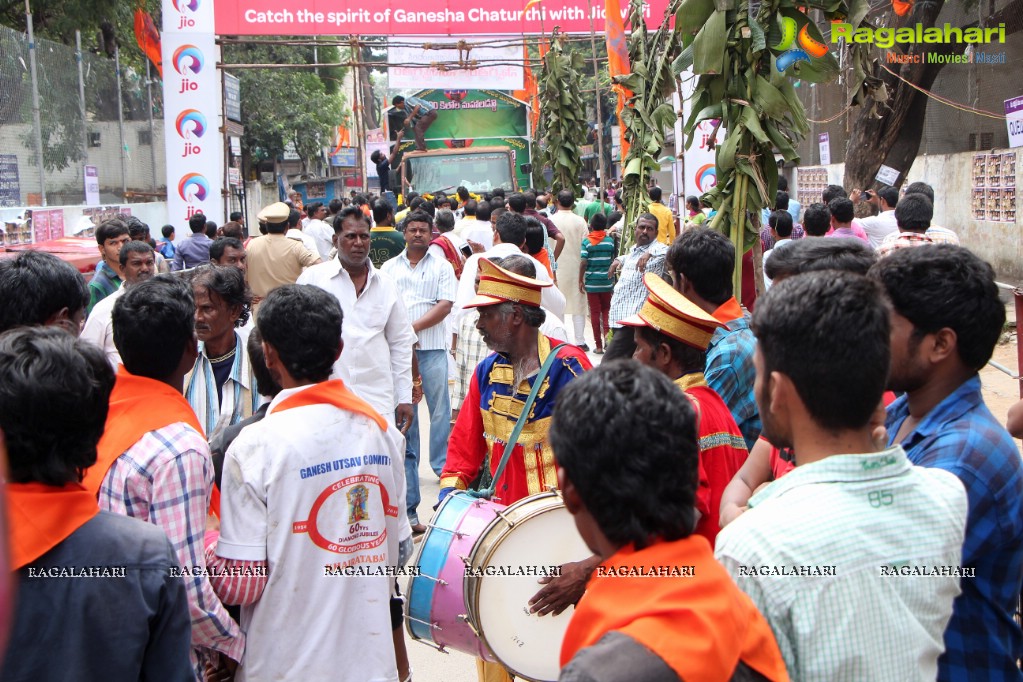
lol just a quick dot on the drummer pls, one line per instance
(659, 607)
(510, 317)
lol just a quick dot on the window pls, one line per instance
(94, 140)
(144, 137)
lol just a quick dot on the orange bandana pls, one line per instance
(728, 311)
(138, 405)
(596, 237)
(700, 625)
(333, 392)
(40, 517)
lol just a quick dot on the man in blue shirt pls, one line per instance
(420, 114)
(195, 250)
(946, 319)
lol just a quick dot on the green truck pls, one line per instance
(480, 141)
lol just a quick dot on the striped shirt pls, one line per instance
(598, 259)
(240, 397)
(630, 292)
(165, 479)
(103, 283)
(469, 351)
(421, 287)
(821, 554)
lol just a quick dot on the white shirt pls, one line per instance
(767, 256)
(376, 363)
(299, 493)
(431, 281)
(879, 226)
(456, 241)
(300, 236)
(858, 515)
(482, 233)
(550, 297)
(99, 328)
(322, 235)
(464, 224)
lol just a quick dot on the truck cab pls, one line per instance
(478, 169)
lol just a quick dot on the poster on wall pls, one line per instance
(993, 195)
(810, 184)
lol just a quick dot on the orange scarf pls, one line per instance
(40, 517)
(701, 626)
(333, 392)
(728, 311)
(596, 237)
(138, 405)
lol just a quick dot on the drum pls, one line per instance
(524, 541)
(479, 564)
(436, 609)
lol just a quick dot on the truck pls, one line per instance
(480, 140)
(478, 169)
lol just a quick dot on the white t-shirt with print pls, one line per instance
(305, 489)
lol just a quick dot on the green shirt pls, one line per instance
(591, 210)
(384, 244)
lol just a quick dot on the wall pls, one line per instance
(951, 176)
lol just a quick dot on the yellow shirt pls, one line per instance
(275, 260)
(665, 222)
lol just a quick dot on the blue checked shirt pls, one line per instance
(960, 435)
(730, 372)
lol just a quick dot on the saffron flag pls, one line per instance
(617, 59)
(530, 89)
(344, 139)
(148, 39)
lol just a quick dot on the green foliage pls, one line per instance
(287, 106)
(648, 114)
(562, 115)
(735, 54)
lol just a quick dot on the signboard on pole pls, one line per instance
(10, 186)
(415, 70)
(824, 142)
(91, 186)
(1014, 121)
(192, 120)
(410, 17)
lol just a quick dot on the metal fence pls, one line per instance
(93, 111)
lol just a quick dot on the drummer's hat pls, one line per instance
(671, 313)
(497, 285)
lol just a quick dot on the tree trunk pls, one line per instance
(894, 139)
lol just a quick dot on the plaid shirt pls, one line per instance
(165, 479)
(630, 292)
(767, 239)
(469, 351)
(730, 372)
(960, 435)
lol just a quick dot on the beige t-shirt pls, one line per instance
(275, 260)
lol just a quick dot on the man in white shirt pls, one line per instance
(780, 223)
(509, 237)
(427, 287)
(853, 557)
(377, 332)
(320, 232)
(883, 224)
(295, 232)
(312, 489)
(138, 264)
(575, 230)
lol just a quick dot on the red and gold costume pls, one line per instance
(479, 436)
(722, 447)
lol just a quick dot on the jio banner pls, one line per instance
(192, 111)
(413, 17)
(700, 171)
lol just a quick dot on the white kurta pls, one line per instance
(575, 230)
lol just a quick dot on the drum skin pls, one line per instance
(538, 532)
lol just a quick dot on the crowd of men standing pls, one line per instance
(232, 422)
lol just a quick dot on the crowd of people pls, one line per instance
(219, 428)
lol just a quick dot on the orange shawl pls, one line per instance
(138, 405)
(728, 311)
(701, 625)
(41, 516)
(333, 392)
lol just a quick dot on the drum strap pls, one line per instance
(513, 439)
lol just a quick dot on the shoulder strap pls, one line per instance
(513, 439)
